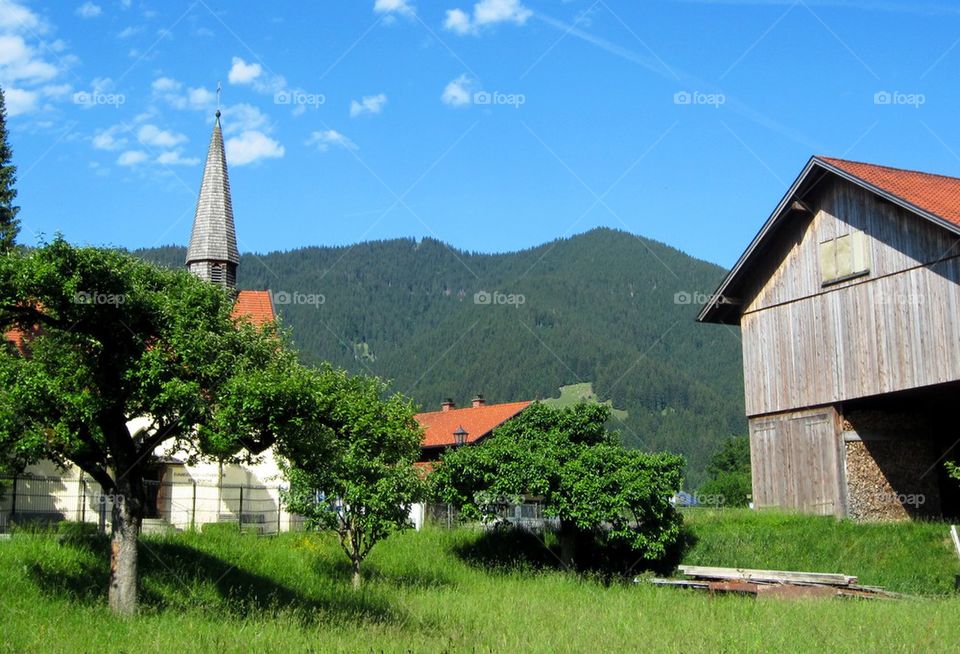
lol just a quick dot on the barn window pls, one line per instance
(844, 257)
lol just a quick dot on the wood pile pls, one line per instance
(773, 583)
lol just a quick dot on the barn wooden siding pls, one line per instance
(805, 345)
(798, 462)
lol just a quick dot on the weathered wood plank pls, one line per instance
(767, 576)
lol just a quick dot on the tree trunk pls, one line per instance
(357, 579)
(127, 519)
(568, 543)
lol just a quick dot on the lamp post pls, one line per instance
(460, 436)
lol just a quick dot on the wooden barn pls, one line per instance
(848, 300)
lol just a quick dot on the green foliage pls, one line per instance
(582, 473)
(729, 480)
(364, 487)
(599, 307)
(9, 225)
(953, 470)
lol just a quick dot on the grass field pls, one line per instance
(452, 591)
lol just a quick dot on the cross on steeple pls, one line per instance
(218, 100)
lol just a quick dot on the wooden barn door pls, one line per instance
(796, 461)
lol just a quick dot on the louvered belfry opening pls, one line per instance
(212, 254)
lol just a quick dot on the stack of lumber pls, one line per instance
(772, 583)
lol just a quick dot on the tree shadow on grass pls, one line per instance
(516, 549)
(340, 570)
(174, 576)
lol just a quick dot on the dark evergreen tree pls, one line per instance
(9, 225)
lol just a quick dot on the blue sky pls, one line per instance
(493, 125)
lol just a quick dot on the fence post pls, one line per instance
(240, 512)
(83, 498)
(13, 497)
(193, 508)
(279, 509)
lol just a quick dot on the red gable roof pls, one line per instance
(438, 426)
(255, 306)
(936, 194)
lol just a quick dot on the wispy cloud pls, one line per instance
(486, 13)
(325, 138)
(370, 104)
(924, 8)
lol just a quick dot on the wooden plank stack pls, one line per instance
(772, 583)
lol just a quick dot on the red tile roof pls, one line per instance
(936, 194)
(255, 306)
(438, 426)
(18, 339)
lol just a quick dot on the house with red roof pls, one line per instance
(452, 427)
(848, 301)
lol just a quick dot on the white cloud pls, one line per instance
(153, 136)
(112, 138)
(370, 104)
(251, 146)
(20, 62)
(88, 10)
(486, 12)
(172, 92)
(19, 101)
(17, 18)
(458, 92)
(131, 158)
(176, 158)
(393, 7)
(243, 117)
(127, 32)
(243, 73)
(457, 21)
(165, 84)
(324, 139)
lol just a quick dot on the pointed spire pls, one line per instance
(212, 254)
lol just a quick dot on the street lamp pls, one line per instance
(460, 436)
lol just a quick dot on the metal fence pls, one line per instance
(527, 515)
(27, 500)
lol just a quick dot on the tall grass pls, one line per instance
(441, 590)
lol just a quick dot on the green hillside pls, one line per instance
(599, 307)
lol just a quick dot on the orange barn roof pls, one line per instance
(936, 194)
(438, 426)
(255, 306)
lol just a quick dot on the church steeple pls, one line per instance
(212, 254)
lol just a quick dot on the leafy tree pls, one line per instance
(113, 339)
(953, 470)
(364, 489)
(9, 225)
(729, 473)
(585, 477)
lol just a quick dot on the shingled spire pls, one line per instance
(212, 254)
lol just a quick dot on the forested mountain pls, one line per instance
(601, 307)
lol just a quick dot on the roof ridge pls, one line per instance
(893, 168)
